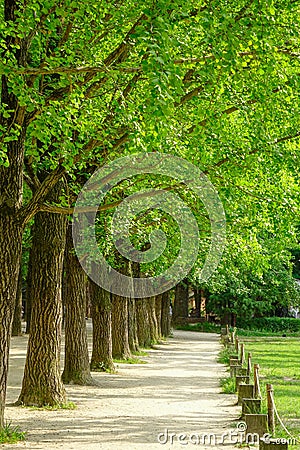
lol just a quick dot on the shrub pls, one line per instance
(271, 324)
(11, 435)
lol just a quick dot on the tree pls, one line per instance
(77, 364)
(102, 358)
(216, 83)
(42, 384)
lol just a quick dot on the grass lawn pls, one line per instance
(279, 360)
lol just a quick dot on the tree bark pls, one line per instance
(11, 190)
(197, 295)
(29, 292)
(143, 329)
(181, 301)
(165, 315)
(10, 251)
(158, 306)
(42, 384)
(120, 342)
(17, 320)
(152, 319)
(77, 365)
(132, 326)
(102, 359)
(133, 271)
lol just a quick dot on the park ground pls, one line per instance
(176, 390)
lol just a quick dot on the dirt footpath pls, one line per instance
(169, 403)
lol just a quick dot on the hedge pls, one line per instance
(272, 324)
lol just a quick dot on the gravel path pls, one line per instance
(177, 390)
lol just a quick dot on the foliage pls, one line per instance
(270, 324)
(214, 83)
(253, 333)
(10, 434)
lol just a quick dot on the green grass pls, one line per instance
(140, 353)
(279, 361)
(68, 405)
(224, 355)
(11, 435)
(131, 360)
(227, 385)
(204, 327)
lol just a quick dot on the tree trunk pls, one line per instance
(132, 326)
(197, 295)
(29, 292)
(152, 319)
(10, 252)
(77, 365)
(133, 271)
(143, 329)
(120, 342)
(17, 320)
(181, 303)
(102, 359)
(165, 315)
(11, 190)
(42, 384)
(158, 306)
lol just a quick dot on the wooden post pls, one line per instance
(227, 330)
(232, 336)
(249, 364)
(257, 392)
(245, 391)
(271, 415)
(236, 340)
(251, 405)
(256, 423)
(242, 356)
(240, 379)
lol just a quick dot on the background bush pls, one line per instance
(271, 324)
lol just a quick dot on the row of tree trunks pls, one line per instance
(120, 325)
